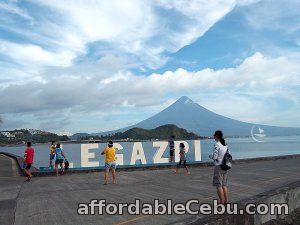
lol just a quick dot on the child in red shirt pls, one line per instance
(28, 160)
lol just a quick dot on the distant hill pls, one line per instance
(162, 132)
(22, 136)
(194, 118)
(78, 136)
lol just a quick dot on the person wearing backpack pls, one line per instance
(220, 171)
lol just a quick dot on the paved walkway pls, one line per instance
(54, 200)
(10, 186)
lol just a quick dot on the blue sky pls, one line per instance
(89, 66)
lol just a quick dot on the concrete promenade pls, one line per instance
(50, 200)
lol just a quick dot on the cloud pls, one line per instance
(255, 73)
(29, 54)
(140, 33)
(12, 8)
(275, 15)
(80, 62)
(144, 30)
(11, 124)
(133, 34)
(256, 83)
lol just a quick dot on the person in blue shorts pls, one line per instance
(59, 159)
(110, 162)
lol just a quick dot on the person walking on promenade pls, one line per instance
(52, 154)
(59, 159)
(220, 175)
(28, 160)
(110, 163)
(182, 155)
(172, 148)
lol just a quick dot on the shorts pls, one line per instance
(220, 177)
(59, 161)
(110, 165)
(28, 166)
(182, 161)
(52, 156)
(172, 152)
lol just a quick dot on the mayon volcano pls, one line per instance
(189, 115)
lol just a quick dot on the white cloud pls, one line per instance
(250, 89)
(202, 14)
(29, 54)
(255, 73)
(133, 27)
(132, 31)
(117, 78)
(128, 33)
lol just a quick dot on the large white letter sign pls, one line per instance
(119, 157)
(138, 153)
(86, 155)
(186, 145)
(197, 148)
(157, 158)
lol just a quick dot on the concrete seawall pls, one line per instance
(288, 194)
(19, 161)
